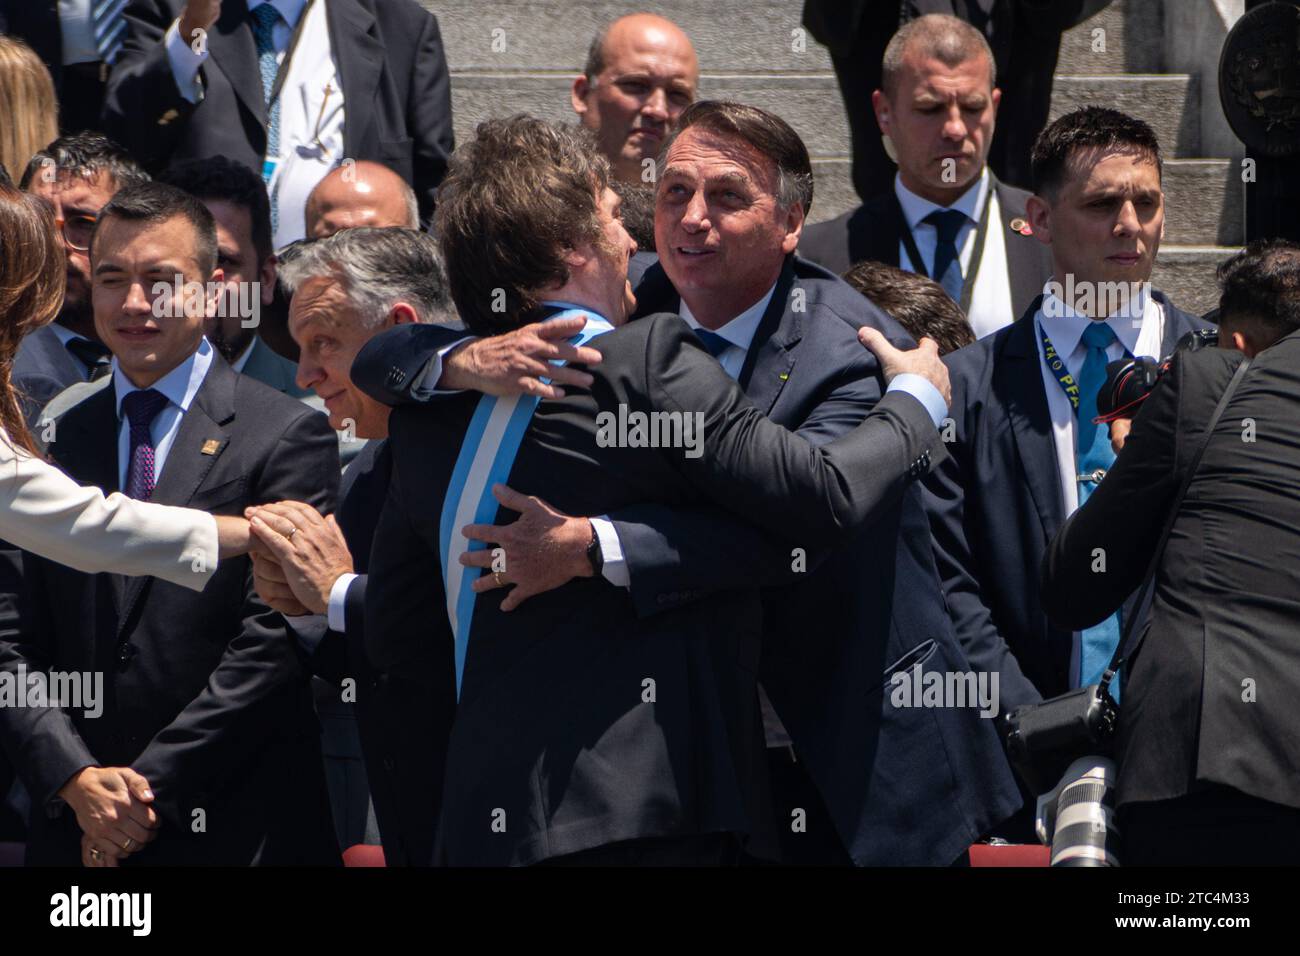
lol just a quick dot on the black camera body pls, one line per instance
(1043, 739)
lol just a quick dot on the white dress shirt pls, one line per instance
(311, 107)
(77, 32)
(990, 304)
(180, 385)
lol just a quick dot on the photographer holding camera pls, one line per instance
(1207, 746)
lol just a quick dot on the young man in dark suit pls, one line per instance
(584, 731)
(946, 215)
(361, 79)
(787, 331)
(206, 750)
(1207, 744)
(1025, 451)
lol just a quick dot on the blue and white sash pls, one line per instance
(487, 454)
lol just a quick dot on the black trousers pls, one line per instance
(1217, 826)
(701, 849)
(807, 835)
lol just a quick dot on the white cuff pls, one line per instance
(614, 570)
(185, 62)
(921, 389)
(338, 603)
(425, 383)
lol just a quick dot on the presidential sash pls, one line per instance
(487, 453)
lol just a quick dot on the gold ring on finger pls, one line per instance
(127, 845)
(96, 853)
(496, 576)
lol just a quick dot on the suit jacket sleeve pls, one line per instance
(202, 744)
(429, 106)
(44, 511)
(331, 659)
(676, 554)
(391, 361)
(142, 88)
(945, 500)
(1122, 519)
(810, 494)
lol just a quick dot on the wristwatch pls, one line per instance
(594, 554)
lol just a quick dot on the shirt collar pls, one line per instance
(1065, 327)
(740, 330)
(65, 334)
(915, 208)
(291, 10)
(240, 363)
(180, 385)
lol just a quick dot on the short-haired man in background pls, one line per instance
(236, 197)
(919, 304)
(360, 194)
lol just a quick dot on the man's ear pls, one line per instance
(266, 276)
(880, 106)
(214, 292)
(401, 314)
(793, 228)
(997, 100)
(1039, 214)
(578, 94)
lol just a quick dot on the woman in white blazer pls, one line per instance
(44, 511)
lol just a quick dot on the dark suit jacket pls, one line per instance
(554, 728)
(44, 367)
(395, 90)
(995, 504)
(204, 693)
(396, 719)
(874, 230)
(36, 23)
(1210, 697)
(904, 785)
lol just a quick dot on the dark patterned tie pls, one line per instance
(714, 342)
(109, 26)
(141, 408)
(265, 17)
(97, 358)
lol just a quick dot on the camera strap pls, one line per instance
(1117, 661)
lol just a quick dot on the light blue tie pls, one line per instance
(109, 26)
(947, 262)
(265, 17)
(1094, 452)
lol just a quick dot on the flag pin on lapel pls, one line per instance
(785, 376)
(210, 446)
(1021, 226)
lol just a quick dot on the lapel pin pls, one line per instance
(1021, 226)
(210, 446)
(785, 376)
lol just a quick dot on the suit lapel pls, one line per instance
(770, 357)
(1177, 324)
(876, 229)
(360, 59)
(233, 49)
(1018, 382)
(1025, 254)
(210, 418)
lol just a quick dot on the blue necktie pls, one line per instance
(714, 342)
(109, 26)
(947, 263)
(141, 408)
(1093, 452)
(265, 17)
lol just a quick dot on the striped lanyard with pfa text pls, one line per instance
(487, 454)
(1056, 365)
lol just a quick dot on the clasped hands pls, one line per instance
(113, 809)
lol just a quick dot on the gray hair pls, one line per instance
(947, 39)
(412, 206)
(377, 268)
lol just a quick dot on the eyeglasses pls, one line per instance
(77, 231)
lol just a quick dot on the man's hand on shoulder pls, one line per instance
(515, 363)
(923, 360)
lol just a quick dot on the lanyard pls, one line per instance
(1056, 365)
(981, 232)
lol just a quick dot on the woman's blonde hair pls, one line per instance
(28, 106)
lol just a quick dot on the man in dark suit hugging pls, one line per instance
(206, 750)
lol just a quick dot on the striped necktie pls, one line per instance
(109, 26)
